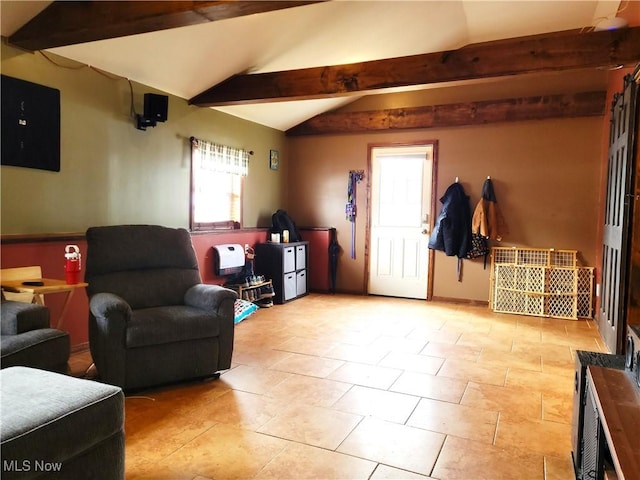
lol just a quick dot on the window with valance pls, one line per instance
(217, 173)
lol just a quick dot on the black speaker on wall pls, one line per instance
(156, 108)
(30, 124)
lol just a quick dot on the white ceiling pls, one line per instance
(186, 61)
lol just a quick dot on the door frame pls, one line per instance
(432, 213)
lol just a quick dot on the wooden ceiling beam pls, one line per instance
(67, 23)
(538, 53)
(455, 115)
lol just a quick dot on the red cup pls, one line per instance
(72, 264)
(72, 277)
(72, 271)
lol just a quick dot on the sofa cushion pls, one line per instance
(46, 348)
(19, 317)
(121, 248)
(147, 288)
(155, 326)
(52, 418)
(146, 265)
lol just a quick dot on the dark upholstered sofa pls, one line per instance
(151, 319)
(27, 340)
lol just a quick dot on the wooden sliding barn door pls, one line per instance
(620, 199)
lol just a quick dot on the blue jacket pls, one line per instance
(452, 231)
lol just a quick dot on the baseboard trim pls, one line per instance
(464, 301)
(80, 347)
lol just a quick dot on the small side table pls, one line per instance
(51, 285)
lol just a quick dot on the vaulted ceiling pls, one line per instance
(281, 63)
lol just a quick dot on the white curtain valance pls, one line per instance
(219, 158)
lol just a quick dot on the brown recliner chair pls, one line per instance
(151, 319)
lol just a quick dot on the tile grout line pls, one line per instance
(495, 432)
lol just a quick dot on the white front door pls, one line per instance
(400, 207)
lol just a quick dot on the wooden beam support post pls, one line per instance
(455, 115)
(68, 23)
(538, 53)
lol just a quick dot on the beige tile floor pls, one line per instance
(353, 387)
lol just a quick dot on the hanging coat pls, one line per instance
(452, 231)
(487, 217)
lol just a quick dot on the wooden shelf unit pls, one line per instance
(248, 292)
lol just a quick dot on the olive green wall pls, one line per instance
(111, 172)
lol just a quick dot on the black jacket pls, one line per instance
(452, 232)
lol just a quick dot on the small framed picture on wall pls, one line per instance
(274, 159)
